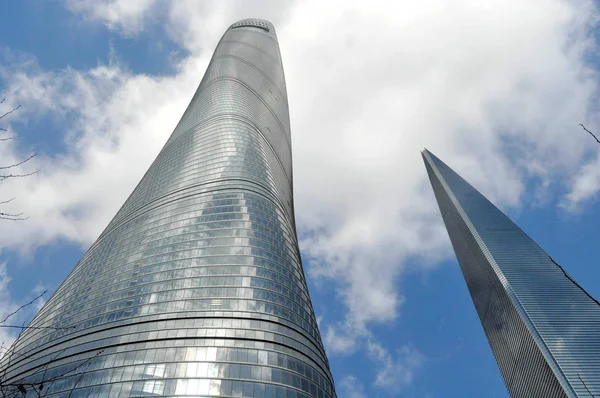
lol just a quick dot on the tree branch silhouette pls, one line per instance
(585, 385)
(39, 386)
(23, 306)
(8, 174)
(590, 133)
(9, 112)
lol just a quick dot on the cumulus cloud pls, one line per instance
(350, 387)
(342, 339)
(396, 370)
(495, 89)
(112, 134)
(128, 17)
(584, 185)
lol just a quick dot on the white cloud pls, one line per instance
(585, 185)
(128, 17)
(40, 291)
(340, 339)
(369, 89)
(397, 370)
(350, 387)
(113, 132)
(494, 88)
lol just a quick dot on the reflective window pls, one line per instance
(196, 286)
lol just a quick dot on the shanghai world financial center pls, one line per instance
(196, 287)
(543, 327)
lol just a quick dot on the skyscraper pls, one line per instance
(543, 328)
(196, 286)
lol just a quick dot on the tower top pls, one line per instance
(262, 24)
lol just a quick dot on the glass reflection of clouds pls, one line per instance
(196, 286)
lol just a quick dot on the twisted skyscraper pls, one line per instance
(196, 286)
(543, 328)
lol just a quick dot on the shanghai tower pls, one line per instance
(542, 326)
(196, 286)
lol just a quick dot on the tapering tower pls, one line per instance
(196, 286)
(543, 328)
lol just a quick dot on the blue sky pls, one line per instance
(496, 90)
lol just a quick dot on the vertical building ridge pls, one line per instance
(196, 286)
(542, 326)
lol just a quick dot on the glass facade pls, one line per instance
(196, 287)
(543, 328)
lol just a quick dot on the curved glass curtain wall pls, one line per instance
(196, 287)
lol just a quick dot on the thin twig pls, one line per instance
(592, 134)
(12, 353)
(24, 353)
(13, 217)
(585, 385)
(10, 214)
(7, 176)
(19, 163)
(46, 368)
(11, 111)
(6, 138)
(19, 384)
(36, 327)
(78, 380)
(24, 305)
(574, 281)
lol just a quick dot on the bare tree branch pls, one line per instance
(12, 217)
(78, 380)
(592, 134)
(9, 112)
(12, 352)
(24, 305)
(10, 214)
(19, 163)
(7, 176)
(36, 327)
(585, 385)
(25, 353)
(19, 386)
